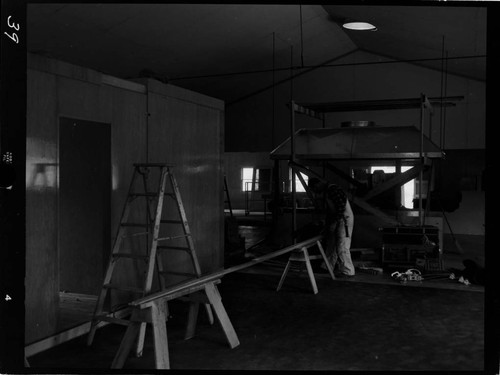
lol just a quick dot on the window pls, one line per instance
(298, 185)
(255, 179)
(246, 179)
(407, 190)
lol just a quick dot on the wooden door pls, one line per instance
(84, 204)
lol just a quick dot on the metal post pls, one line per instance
(420, 177)
(276, 192)
(323, 123)
(292, 146)
(292, 159)
(398, 192)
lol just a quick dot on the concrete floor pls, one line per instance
(368, 323)
(347, 326)
(456, 249)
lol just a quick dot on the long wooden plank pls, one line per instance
(69, 334)
(186, 287)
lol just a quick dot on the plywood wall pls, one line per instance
(183, 128)
(190, 138)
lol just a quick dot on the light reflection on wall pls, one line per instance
(44, 175)
(43, 172)
(41, 164)
(196, 169)
(41, 175)
(114, 177)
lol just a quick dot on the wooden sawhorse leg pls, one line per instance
(302, 255)
(156, 315)
(195, 300)
(221, 314)
(154, 312)
(211, 298)
(325, 259)
(285, 272)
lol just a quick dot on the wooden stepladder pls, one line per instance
(151, 227)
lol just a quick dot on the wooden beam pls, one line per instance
(305, 170)
(372, 105)
(375, 211)
(397, 180)
(344, 175)
(69, 334)
(301, 169)
(196, 284)
(306, 111)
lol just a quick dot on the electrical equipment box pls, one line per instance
(410, 244)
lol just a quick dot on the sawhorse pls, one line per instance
(302, 255)
(153, 310)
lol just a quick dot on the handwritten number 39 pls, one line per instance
(14, 26)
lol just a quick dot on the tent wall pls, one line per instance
(258, 125)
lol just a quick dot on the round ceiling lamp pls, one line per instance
(359, 26)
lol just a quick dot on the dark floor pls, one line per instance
(368, 323)
(456, 249)
(347, 326)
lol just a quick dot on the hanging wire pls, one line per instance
(326, 66)
(430, 123)
(291, 72)
(301, 39)
(445, 91)
(273, 94)
(441, 141)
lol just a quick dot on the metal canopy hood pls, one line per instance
(376, 142)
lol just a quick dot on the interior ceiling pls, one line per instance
(230, 50)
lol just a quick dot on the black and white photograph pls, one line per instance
(247, 187)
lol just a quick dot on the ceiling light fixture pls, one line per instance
(359, 26)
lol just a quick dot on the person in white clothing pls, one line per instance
(339, 223)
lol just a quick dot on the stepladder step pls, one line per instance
(109, 319)
(123, 288)
(147, 194)
(140, 225)
(180, 248)
(164, 221)
(130, 255)
(188, 274)
(173, 237)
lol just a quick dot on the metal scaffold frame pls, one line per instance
(420, 153)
